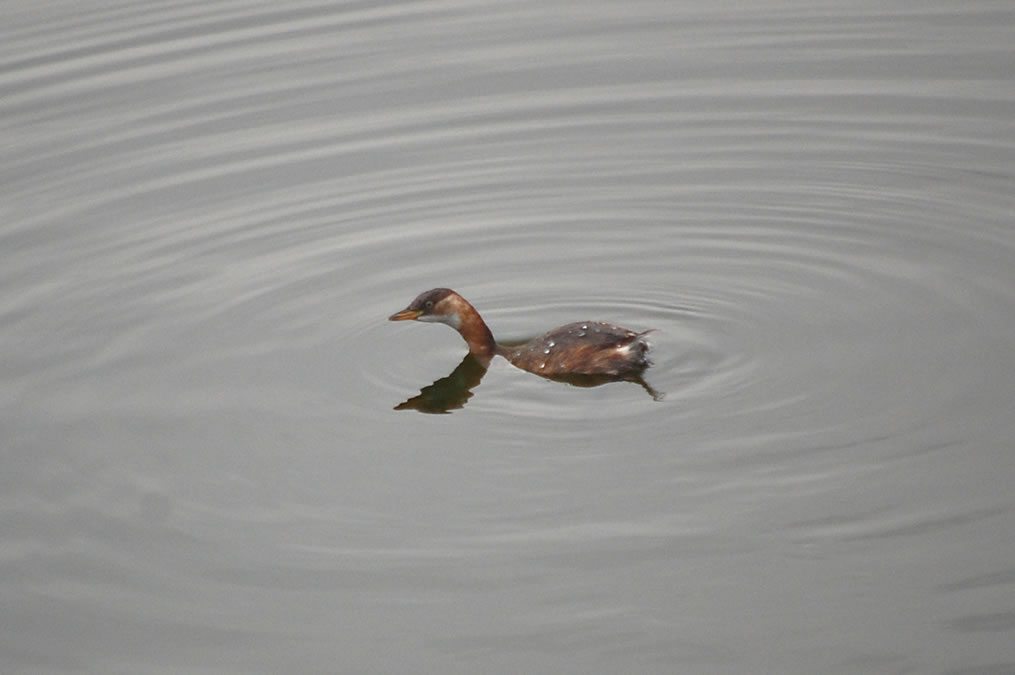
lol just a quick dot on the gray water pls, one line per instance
(208, 210)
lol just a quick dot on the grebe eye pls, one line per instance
(429, 304)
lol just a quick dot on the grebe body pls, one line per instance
(580, 348)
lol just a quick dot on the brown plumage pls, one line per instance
(577, 349)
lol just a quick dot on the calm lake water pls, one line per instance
(208, 210)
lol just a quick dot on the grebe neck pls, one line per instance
(475, 331)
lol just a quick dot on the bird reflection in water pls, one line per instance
(454, 391)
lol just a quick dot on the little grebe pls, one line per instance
(582, 348)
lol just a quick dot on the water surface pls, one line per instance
(209, 210)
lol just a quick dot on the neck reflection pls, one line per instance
(451, 392)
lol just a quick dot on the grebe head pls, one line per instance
(439, 305)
